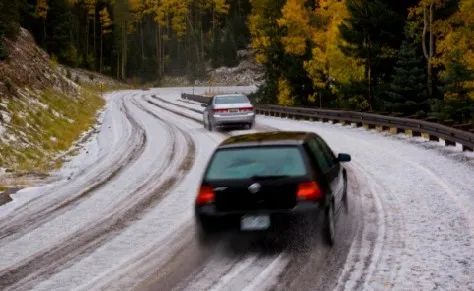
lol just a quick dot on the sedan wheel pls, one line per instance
(210, 127)
(330, 225)
(345, 199)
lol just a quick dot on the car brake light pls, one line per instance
(309, 191)
(205, 195)
(221, 110)
(246, 109)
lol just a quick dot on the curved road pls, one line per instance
(119, 215)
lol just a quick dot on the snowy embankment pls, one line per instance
(120, 214)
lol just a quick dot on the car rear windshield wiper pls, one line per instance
(270, 177)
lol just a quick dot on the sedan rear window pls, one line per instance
(234, 99)
(256, 162)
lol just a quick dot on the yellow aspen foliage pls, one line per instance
(90, 6)
(220, 6)
(295, 18)
(172, 13)
(285, 96)
(105, 21)
(328, 62)
(263, 28)
(41, 10)
(458, 39)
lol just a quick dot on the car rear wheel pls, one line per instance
(205, 227)
(210, 127)
(330, 225)
(345, 199)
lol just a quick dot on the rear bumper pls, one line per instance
(233, 119)
(301, 207)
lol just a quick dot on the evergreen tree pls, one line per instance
(9, 23)
(58, 27)
(373, 33)
(407, 91)
(458, 83)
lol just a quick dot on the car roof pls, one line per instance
(267, 139)
(229, 95)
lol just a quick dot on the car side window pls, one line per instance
(328, 154)
(319, 155)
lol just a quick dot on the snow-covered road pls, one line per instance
(120, 213)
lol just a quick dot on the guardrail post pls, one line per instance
(412, 133)
(395, 130)
(449, 143)
(433, 138)
(466, 148)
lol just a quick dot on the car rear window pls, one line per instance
(235, 99)
(246, 163)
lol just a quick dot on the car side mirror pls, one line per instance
(344, 158)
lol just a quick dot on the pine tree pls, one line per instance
(407, 91)
(9, 23)
(58, 29)
(373, 33)
(105, 29)
(458, 81)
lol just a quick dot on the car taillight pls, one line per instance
(205, 195)
(221, 110)
(246, 109)
(309, 191)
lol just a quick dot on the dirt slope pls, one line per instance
(42, 112)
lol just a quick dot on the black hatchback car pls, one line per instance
(253, 177)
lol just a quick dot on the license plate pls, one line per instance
(233, 110)
(255, 222)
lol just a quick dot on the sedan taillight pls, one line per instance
(205, 195)
(309, 191)
(221, 110)
(246, 109)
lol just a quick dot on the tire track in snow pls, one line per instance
(11, 229)
(47, 262)
(426, 242)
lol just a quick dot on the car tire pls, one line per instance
(345, 198)
(210, 127)
(330, 225)
(204, 230)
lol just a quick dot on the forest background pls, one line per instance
(405, 58)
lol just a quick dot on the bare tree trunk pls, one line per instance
(118, 66)
(428, 52)
(101, 51)
(163, 51)
(87, 37)
(369, 73)
(44, 32)
(140, 26)
(158, 49)
(95, 45)
(124, 49)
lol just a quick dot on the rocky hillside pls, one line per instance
(42, 111)
(28, 68)
(247, 73)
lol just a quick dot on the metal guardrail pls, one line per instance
(414, 127)
(197, 98)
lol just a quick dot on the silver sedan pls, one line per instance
(229, 110)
